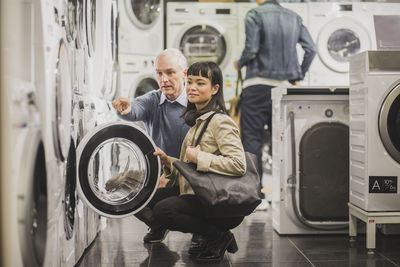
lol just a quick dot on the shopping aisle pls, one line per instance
(120, 244)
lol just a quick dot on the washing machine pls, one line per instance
(101, 47)
(374, 142)
(141, 27)
(206, 32)
(339, 30)
(29, 234)
(54, 78)
(137, 76)
(243, 7)
(33, 239)
(310, 154)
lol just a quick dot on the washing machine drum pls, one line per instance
(342, 44)
(389, 122)
(117, 171)
(203, 43)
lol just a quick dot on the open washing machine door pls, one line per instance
(389, 122)
(117, 171)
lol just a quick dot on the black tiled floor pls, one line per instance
(120, 244)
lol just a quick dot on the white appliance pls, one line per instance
(141, 27)
(53, 74)
(299, 8)
(29, 230)
(136, 75)
(310, 171)
(206, 32)
(374, 132)
(101, 57)
(339, 30)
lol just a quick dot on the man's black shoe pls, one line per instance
(155, 235)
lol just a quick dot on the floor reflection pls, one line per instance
(120, 244)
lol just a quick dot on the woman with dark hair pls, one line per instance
(220, 151)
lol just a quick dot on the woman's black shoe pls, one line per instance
(215, 249)
(198, 246)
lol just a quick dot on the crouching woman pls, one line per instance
(220, 151)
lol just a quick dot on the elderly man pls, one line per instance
(161, 111)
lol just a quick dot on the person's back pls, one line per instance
(270, 57)
(272, 33)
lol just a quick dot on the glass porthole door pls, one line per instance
(143, 13)
(203, 43)
(389, 122)
(117, 171)
(338, 40)
(61, 124)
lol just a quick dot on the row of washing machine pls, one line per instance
(215, 31)
(61, 71)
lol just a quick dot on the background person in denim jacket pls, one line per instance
(270, 57)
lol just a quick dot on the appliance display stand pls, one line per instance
(371, 218)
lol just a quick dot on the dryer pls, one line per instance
(137, 76)
(310, 171)
(374, 142)
(206, 32)
(141, 27)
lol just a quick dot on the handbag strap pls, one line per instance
(239, 82)
(204, 128)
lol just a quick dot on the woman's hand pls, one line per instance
(192, 152)
(163, 157)
(163, 181)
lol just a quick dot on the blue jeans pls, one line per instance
(256, 110)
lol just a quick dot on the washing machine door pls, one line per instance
(143, 13)
(203, 43)
(117, 171)
(32, 198)
(339, 39)
(68, 19)
(69, 202)
(389, 122)
(61, 124)
(111, 68)
(80, 40)
(91, 25)
(145, 85)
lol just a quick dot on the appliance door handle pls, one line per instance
(291, 180)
